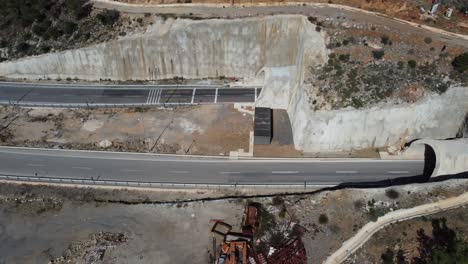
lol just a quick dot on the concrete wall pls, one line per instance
(436, 116)
(183, 48)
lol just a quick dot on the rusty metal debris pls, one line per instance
(239, 247)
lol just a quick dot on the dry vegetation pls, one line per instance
(439, 238)
(370, 64)
(32, 27)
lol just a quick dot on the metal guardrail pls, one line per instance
(140, 184)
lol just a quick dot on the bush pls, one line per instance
(385, 39)
(387, 257)
(108, 17)
(460, 62)
(378, 54)
(344, 57)
(345, 42)
(23, 47)
(69, 27)
(401, 65)
(412, 64)
(318, 28)
(392, 194)
(277, 200)
(41, 28)
(428, 40)
(323, 219)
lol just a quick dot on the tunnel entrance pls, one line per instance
(429, 161)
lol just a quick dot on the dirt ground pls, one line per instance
(403, 9)
(177, 232)
(403, 236)
(207, 130)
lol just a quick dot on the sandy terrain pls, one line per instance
(41, 224)
(208, 130)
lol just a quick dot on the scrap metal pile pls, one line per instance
(240, 247)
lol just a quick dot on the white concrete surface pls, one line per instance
(177, 48)
(451, 155)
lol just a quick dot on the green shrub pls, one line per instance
(412, 64)
(401, 65)
(69, 27)
(318, 28)
(108, 17)
(428, 40)
(385, 39)
(344, 57)
(345, 42)
(323, 219)
(23, 47)
(460, 62)
(392, 194)
(378, 54)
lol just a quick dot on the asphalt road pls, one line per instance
(44, 95)
(175, 169)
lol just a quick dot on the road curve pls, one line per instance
(135, 167)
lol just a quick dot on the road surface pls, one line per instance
(111, 166)
(109, 95)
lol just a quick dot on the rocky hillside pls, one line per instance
(32, 27)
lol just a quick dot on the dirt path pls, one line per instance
(354, 243)
(325, 11)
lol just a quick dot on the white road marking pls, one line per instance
(193, 95)
(343, 172)
(398, 172)
(179, 172)
(34, 165)
(130, 170)
(156, 96)
(82, 168)
(284, 172)
(159, 96)
(230, 172)
(216, 96)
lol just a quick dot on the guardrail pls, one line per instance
(141, 184)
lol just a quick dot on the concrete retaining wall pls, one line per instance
(176, 48)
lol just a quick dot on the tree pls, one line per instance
(108, 17)
(387, 256)
(400, 257)
(412, 64)
(385, 39)
(378, 54)
(460, 62)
